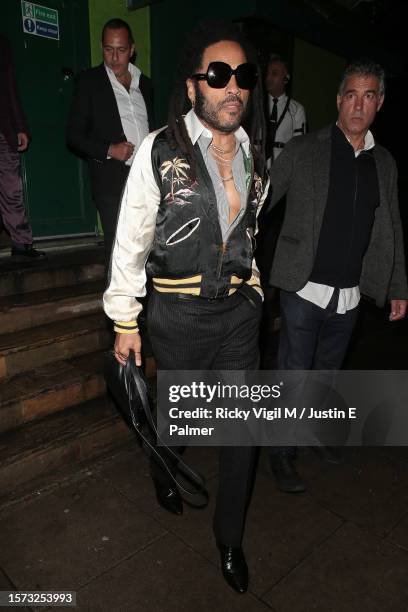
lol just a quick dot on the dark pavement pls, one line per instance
(341, 547)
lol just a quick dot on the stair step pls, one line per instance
(50, 388)
(69, 437)
(60, 269)
(27, 349)
(27, 310)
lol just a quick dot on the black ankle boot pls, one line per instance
(234, 567)
(286, 476)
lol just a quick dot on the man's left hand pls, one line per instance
(22, 141)
(398, 309)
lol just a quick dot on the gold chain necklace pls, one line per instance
(221, 151)
(222, 160)
(218, 155)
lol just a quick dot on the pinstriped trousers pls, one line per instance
(192, 333)
(12, 209)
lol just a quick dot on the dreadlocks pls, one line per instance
(209, 33)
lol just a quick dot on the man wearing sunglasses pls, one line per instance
(187, 221)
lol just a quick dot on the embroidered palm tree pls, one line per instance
(179, 176)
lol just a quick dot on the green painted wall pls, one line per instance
(100, 11)
(46, 93)
(316, 74)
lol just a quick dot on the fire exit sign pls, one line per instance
(40, 20)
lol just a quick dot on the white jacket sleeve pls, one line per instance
(299, 122)
(134, 238)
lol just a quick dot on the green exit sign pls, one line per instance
(40, 20)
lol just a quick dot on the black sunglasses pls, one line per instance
(219, 73)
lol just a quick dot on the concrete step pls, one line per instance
(27, 310)
(28, 349)
(49, 389)
(60, 269)
(69, 437)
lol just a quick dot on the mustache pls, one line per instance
(231, 98)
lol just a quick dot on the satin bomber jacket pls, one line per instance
(168, 229)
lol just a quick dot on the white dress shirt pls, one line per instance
(202, 135)
(293, 123)
(132, 108)
(320, 295)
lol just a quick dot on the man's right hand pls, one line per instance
(124, 343)
(22, 141)
(121, 150)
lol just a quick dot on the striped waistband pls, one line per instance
(192, 284)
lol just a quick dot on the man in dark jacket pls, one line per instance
(110, 116)
(14, 139)
(341, 236)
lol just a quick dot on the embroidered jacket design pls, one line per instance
(258, 188)
(180, 182)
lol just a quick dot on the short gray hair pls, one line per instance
(366, 68)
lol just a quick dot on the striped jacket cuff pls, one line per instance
(125, 327)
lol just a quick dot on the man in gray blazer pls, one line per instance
(341, 236)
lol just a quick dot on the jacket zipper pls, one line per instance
(353, 220)
(223, 248)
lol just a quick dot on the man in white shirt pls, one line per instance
(110, 116)
(285, 117)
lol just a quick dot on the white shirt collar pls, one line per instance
(369, 141)
(195, 129)
(134, 73)
(282, 98)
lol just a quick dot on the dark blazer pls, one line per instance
(94, 121)
(302, 173)
(12, 119)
